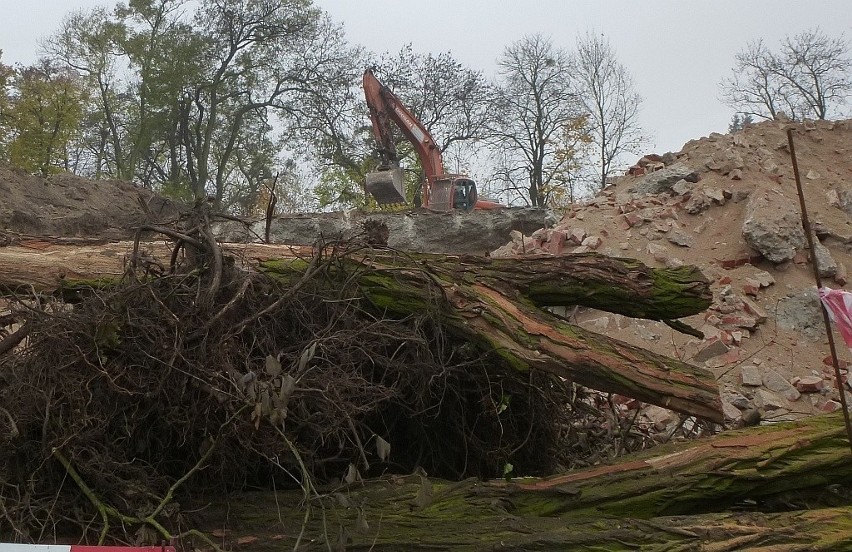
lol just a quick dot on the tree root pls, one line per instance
(106, 511)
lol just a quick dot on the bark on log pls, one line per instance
(478, 299)
(46, 265)
(622, 286)
(492, 303)
(792, 478)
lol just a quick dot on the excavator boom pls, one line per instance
(441, 191)
(387, 184)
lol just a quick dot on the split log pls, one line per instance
(493, 304)
(782, 487)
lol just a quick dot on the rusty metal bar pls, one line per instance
(806, 224)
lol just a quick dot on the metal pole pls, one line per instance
(807, 226)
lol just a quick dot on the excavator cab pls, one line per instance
(464, 194)
(452, 192)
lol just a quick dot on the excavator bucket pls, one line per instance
(387, 187)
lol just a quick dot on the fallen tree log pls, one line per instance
(491, 303)
(622, 286)
(46, 265)
(783, 487)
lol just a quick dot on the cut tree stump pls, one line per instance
(783, 487)
(493, 304)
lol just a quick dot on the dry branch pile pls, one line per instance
(192, 374)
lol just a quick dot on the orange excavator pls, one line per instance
(441, 191)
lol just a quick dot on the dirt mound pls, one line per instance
(67, 205)
(728, 204)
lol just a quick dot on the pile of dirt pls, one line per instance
(728, 204)
(69, 206)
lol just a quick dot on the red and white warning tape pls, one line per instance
(80, 548)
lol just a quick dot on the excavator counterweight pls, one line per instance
(387, 187)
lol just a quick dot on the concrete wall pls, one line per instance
(456, 232)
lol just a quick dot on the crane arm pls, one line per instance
(384, 107)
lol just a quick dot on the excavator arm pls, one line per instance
(385, 107)
(441, 191)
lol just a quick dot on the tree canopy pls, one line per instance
(213, 98)
(39, 120)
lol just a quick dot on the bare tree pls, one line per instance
(605, 90)
(818, 68)
(450, 99)
(534, 102)
(754, 89)
(810, 76)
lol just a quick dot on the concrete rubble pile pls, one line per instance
(728, 204)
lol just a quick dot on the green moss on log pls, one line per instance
(625, 506)
(71, 290)
(504, 321)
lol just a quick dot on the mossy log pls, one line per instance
(495, 305)
(783, 487)
(618, 285)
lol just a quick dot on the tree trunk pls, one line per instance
(621, 286)
(493, 304)
(782, 487)
(47, 264)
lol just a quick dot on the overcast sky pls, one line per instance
(676, 50)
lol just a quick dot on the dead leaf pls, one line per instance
(265, 402)
(248, 539)
(361, 522)
(255, 415)
(288, 384)
(246, 379)
(352, 475)
(272, 365)
(424, 495)
(383, 448)
(307, 356)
